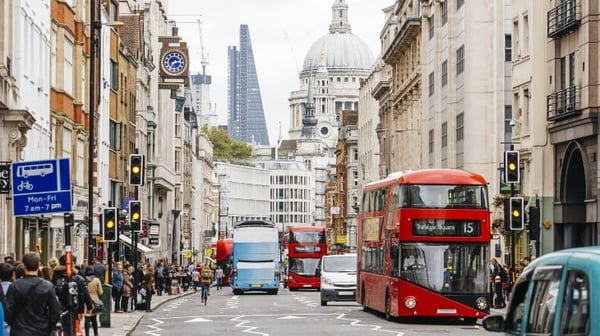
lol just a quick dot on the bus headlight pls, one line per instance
(410, 302)
(481, 303)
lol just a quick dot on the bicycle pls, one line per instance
(204, 293)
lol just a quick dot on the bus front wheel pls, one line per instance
(388, 307)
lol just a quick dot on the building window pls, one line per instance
(515, 38)
(67, 143)
(431, 22)
(444, 6)
(80, 160)
(444, 134)
(115, 135)
(430, 141)
(68, 65)
(507, 48)
(355, 177)
(460, 59)
(444, 73)
(431, 83)
(114, 75)
(460, 126)
(526, 34)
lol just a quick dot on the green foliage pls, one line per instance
(224, 147)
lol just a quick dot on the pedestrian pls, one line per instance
(149, 286)
(127, 288)
(497, 276)
(9, 260)
(99, 269)
(196, 279)
(160, 278)
(33, 308)
(219, 277)
(95, 289)
(117, 286)
(6, 276)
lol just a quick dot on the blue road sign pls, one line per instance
(41, 187)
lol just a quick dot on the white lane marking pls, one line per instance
(198, 319)
(374, 327)
(249, 329)
(156, 329)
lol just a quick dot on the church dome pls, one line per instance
(340, 50)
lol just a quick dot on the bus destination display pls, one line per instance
(446, 228)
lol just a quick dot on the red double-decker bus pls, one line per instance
(423, 245)
(224, 258)
(306, 246)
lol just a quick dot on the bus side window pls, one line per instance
(575, 317)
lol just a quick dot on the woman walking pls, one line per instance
(149, 286)
(95, 290)
(127, 288)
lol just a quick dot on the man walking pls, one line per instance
(219, 277)
(33, 308)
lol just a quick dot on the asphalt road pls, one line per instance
(288, 313)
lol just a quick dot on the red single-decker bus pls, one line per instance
(423, 245)
(306, 246)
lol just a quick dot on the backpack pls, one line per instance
(61, 288)
(206, 275)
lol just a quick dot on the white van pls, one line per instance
(338, 278)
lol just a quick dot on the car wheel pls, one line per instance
(323, 302)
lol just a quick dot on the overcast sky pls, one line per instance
(281, 32)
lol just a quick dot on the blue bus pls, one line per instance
(255, 257)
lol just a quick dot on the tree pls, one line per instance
(224, 147)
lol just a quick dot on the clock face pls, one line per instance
(174, 62)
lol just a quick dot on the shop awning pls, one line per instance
(142, 248)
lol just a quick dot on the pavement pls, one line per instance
(122, 324)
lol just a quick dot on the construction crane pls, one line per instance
(204, 57)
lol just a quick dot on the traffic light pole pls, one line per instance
(512, 232)
(134, 245)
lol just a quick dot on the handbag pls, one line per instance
(98, 306)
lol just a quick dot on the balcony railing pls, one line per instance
(563, 18)
(563, 104)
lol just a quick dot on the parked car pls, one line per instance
(338, 277)
(553, 296)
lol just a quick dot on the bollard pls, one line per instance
(106, 298)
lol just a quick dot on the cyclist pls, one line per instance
(206, 279)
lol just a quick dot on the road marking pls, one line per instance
(290, 317)
(249, 330)
(374, 327)
(198, 319)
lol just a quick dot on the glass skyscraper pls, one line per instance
(246, 117)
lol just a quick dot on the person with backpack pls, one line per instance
(117, 286)
(160, 278)
(95, 289)
(32, 306)
(61, 282)
(206, 279)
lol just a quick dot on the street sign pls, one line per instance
(41, 187)
(4, 178)
(154, 229)
(154, 241)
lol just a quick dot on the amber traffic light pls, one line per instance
(135, 215)
(136, 169)
(109, 224)
(517, 215)
(512, 167)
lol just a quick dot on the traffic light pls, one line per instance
(512, 167)
(136, 169)
(517, 216)
(109, 224)
(534, 223)
(135, 215)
